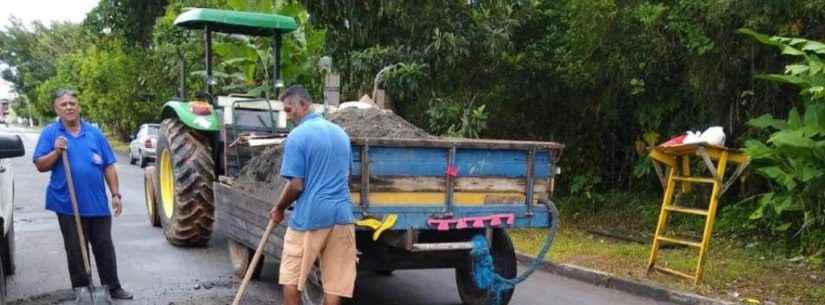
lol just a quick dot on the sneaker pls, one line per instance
(120, 294)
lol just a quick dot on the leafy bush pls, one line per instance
(119, 87)
(793, 157)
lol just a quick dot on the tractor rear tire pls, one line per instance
(504, 263)
(186, 172)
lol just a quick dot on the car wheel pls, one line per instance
(2, 286)
(143, 160)
(131, 157)
(7, 251)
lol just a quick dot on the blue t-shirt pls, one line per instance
(89, 156)
(319, 152)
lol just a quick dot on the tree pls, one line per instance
(131, 20)
(605, 77)
(117, 87)
(31, 55)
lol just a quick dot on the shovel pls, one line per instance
(84, 295)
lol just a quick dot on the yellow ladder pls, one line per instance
(670, 156)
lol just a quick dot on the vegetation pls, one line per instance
(742, 273)
(793, 157)
(607, 78)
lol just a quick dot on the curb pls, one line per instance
(608, 280)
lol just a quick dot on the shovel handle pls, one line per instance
(78, 224)
(255, 258)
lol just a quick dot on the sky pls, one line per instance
(46, 11)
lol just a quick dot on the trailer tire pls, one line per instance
(150, 197)
(384, 272)
(313, 293)
(240, 257)
(185, 173)
(504, 262)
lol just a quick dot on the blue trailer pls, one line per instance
(419, 203)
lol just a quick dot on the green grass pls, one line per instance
(730, 269)
(117, 145)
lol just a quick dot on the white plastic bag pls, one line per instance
(692, 137)
(714, 135)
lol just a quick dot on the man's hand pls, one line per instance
(277, 215)
(117, 205)
(60, 144)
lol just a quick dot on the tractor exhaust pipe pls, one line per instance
(182, 80)
(276, 69)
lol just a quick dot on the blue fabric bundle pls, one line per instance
(484, 273)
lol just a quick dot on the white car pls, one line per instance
(10, 146)
(144, 142)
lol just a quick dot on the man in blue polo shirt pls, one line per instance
(92, 161)
(316, 160)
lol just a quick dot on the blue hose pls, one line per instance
(484, 274)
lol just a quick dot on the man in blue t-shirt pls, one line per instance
(316, 158)
(92, 162)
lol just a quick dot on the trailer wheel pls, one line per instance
(185, 175)
(313, 293)
(504, 262)
(240, 257)
(150, 195)
(384, 272)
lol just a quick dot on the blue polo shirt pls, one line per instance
(319, 152)
(89, 155)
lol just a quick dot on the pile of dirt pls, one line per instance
(261, 176)
(375, 123)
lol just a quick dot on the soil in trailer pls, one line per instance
(261, 176)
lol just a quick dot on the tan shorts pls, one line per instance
(335, 249)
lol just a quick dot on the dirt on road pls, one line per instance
(220, 292)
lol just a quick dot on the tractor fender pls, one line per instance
(181, 110)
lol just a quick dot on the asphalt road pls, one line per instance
(158, 273)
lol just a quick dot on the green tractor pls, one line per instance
(194, 143)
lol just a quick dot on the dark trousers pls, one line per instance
(98, 231)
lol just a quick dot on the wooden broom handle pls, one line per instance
(78, 224)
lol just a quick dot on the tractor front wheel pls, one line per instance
(150, 195)
(185, 172)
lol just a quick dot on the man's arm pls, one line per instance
(291, 192)
(45, 155)
(114, 188)
(111, 179)
(46, 162)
